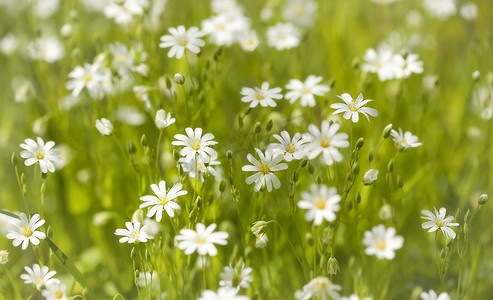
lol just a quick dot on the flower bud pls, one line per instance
(295, 177)
(259, 228)
(179, 78)
(269, 125)
(355, 168)
(4, 257)
(222, 186)
(310, 168)
(229, 154)
(333, 266)
(370, 156)
(483, 199)
(138, 216)
(309, 239)
(387, 130)
(258, 128)
(303, 163)
(359, 143)
(390, 166)
(476, 76)
(261, 241)
(104, 126)
(370, 177)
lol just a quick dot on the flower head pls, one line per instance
(201, 240)
(163, 200)
(370, 177)
(352, 107)
(305, 91)
(24, 231)
(222, 293)
(134, 233)
(405, 140)
(39, 152)
(238, 277)
(263, 96)
(94, 77)
(180, 39)
(325, 141)
(48, 49)
(104, 126)
(55, 291)
(319, 288)
(290, 148)
(432, 295)
(163, 120)
(322, 203)
(4, 257)
(382, 242)
(196, 144)
(122, 11)
(39, 276)
(355, 297)
(265, 170)
(197, 168)
(283, 36)
(439, 220)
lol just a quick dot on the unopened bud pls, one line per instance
(229, 154)
(387, 130)
(476, 76)
(295, 177)
(222, 186)
(143, 140)
(179, 78)
(483, 199)
(399, 182)
(303, 163)
(349, 205)
(355, 168)
(370, 177)
(13, 159)
(359, 143)
(258, 128)
(310, 168)
(131, 148)
(138, 216)
(370, 156)
(319, 180)
(269, 125)
(390, 166)
(309, 239)
(198, 201)
(333, 266)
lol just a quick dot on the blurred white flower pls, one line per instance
(133, 234)
(440, 8)
(283, 36)
(4, 223)
(4, 257)
(381, 62)
(45, 8)
(199, 169)
(355, 297)
(41, 277)
(352, 107)
(290, 148)
(405, 140)
(263, 95)
(370, 177)
(181, 39)
(226, 7)
(196, 144)
(39, 152)
(322, 203)
(163, 120)
(8, 44)
(224, 30)
(94, 77)
(55, 291)
(145, 279)
(261, 240)
(163, 200)
(238, 277)
(248, 40)
(469, 11)
(104, 126)
(66, 30)
(382, 242)
(264, 170)
(439, 220)
(123, 11)
(130, 115)
(306, 90)
(223, 293)
(319, 288)
(325, 141)
(432, 295)
(385, 212)
(407, 66)
(300, 12)
(48, 49)
(202, 240)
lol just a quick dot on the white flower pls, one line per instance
(265, 169)
(104, 126)
(181, 39)
(469, 11)
(4, 257)
(196, 144)
(122, 11)
(432, 295)
(290, 148)
(261, 241)
(224, 30)
(48, 49)
(326, 141)
(319, 288)
(283, 36)
(405, 140)
(24, 231)
(41, 153)
(385, 212)
(223, 293)
(199, 168)
(300, 12)
(370, 177)
(9, 44)
(441, 8)
(382, 242)
(134, 234)
(407, 66)
(55, 291)
(163, 120)
(126, 61)
(263, 96)
(147, 278)
(354, 296)
(39, 276)
(352, 107)
(248, 40)
(163, 200)
(439, 221)
(306, 90)
(202, 240)
(66, 30)
(94, 77)
(237, 278)
(381, 62)
(4, 223)
(226, 7)
(322, 203)
(130, 115)
(46, 8)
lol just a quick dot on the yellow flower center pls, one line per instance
(325, 142)
(200, 241)
(403, 142)
(377, 64)
(353, 106)
(320, 285)
(439, 223)
(259, 94)
(26, 231)
(381, 245)
(40, 154)
(135, 234)
(182, 41)
(320, 203)
(290, 148)
(58, 295)
(299, 10)
(163, 201)
(264, 169)
(39, 279)
(195, 143)
(305, 91)
(87, 77)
